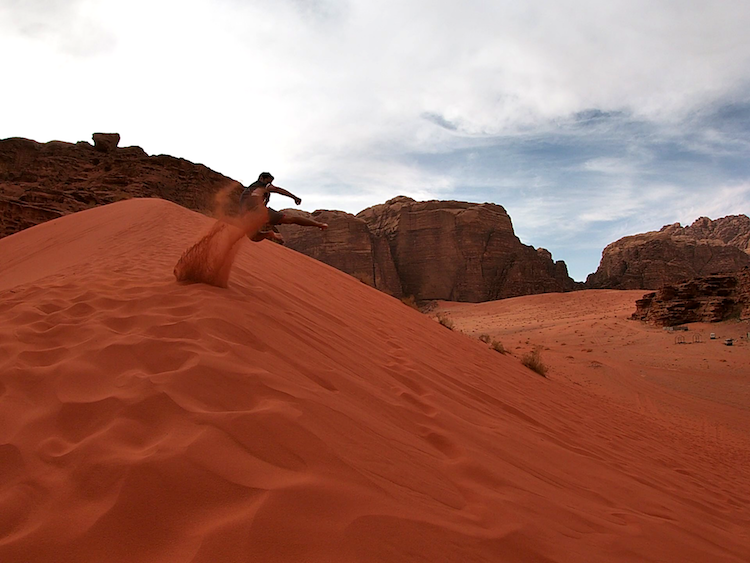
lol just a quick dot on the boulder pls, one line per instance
(106, 142)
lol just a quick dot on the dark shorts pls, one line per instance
(248, 203)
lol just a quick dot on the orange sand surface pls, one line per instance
(300, 415)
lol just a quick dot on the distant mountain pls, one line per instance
(447, 250)
(675, 253)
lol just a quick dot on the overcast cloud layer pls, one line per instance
(587, 120)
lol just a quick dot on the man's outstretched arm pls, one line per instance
(277, 190)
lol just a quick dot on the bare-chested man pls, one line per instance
(258, 193)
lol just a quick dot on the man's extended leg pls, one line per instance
(304, 221)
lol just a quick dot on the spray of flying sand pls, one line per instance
(210, 259)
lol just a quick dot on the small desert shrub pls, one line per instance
(444, 320)
(498, 347)
(411, 302)
(533, 361)
(428, 306)
(485, 338)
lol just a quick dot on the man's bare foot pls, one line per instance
(323, 226)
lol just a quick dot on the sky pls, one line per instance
(588, 120)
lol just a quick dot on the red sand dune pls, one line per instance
(300, 415)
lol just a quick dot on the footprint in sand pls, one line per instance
(441, 442)
(426, 408)
(402, 369)
(405, 377)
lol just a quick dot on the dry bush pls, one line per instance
(444, 320)
(533, 361)
(485, 338)
(428, 306)
(498, 347)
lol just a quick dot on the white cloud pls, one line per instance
(610, 166)
(326, 76)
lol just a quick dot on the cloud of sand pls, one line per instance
(210, 259)
(226, 202)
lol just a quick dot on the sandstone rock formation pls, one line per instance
(348, 245)
(41, 181)
(675, 253)
(438, 250)
(733, 230)
(706, 299)
(106, 142)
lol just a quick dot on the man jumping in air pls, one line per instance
(258, 193)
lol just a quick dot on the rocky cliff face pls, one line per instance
(41, 181)
(436, 250)
(706, 299)
(675, 253)
(733, 230)
(348, 245)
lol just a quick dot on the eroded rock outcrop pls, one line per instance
(675, 253)
(706, 299)
(462, 251)
(439, 250)
(733, 230)
(41, 181)
(106, 142)
(348, 245)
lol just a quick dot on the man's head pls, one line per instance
(265, 177)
